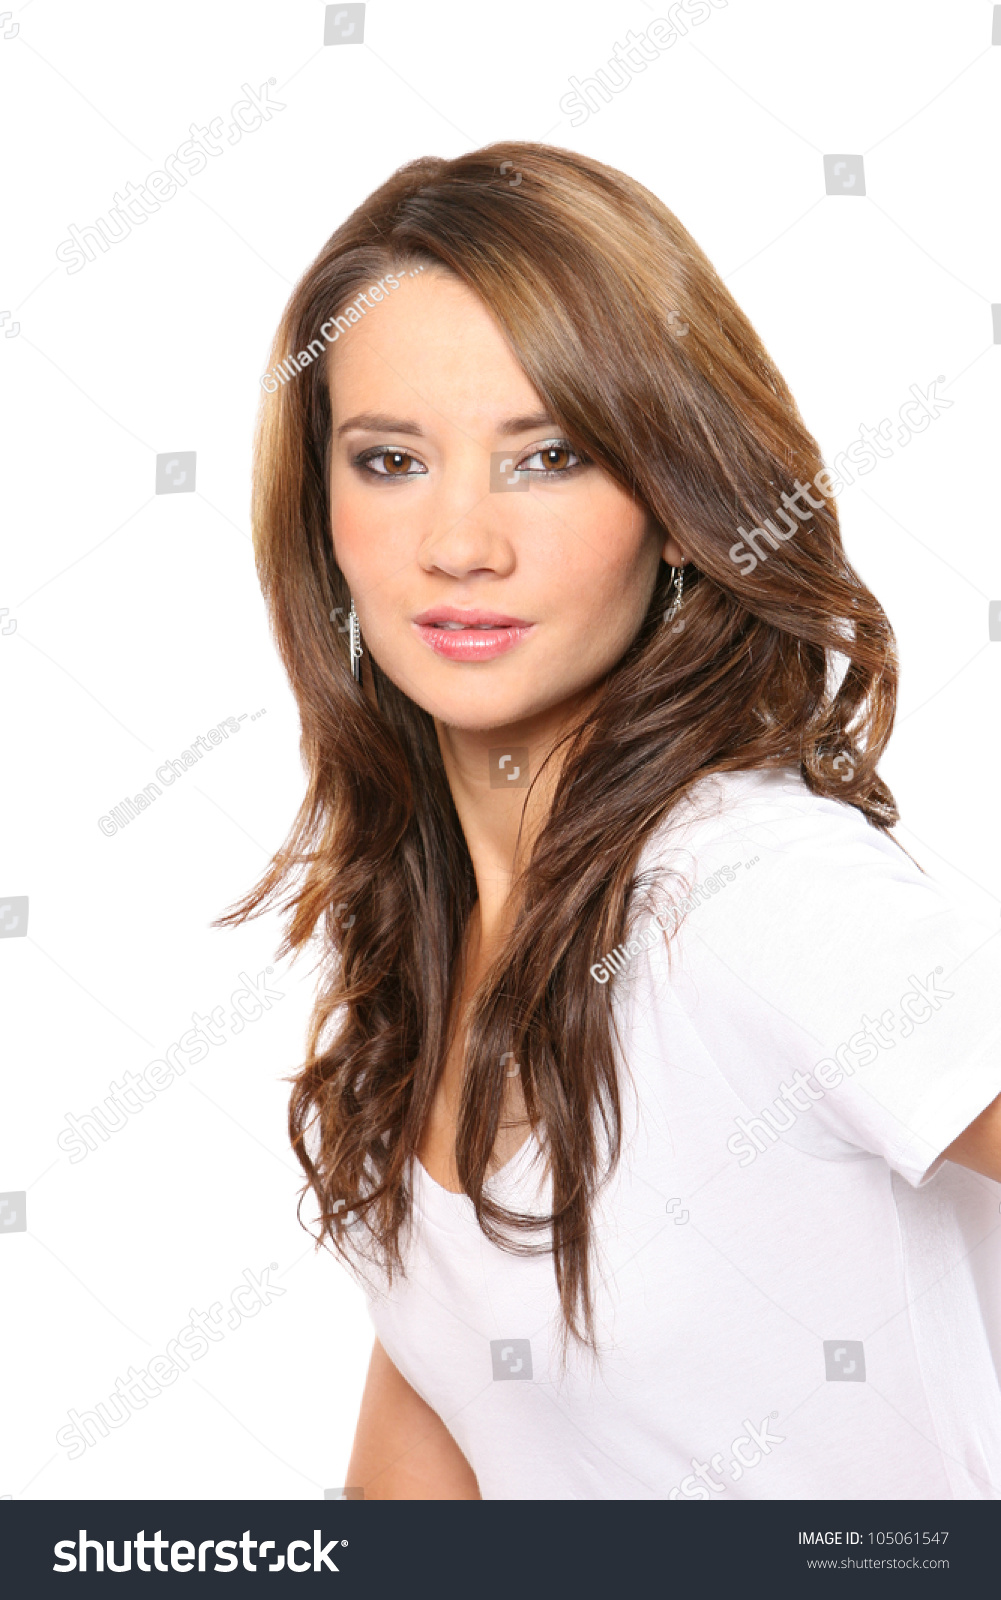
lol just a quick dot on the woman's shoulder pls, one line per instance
(795, 936)
(771, 808)
(794, 864)
(759, 880)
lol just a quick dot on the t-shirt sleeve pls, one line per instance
(849, 1002)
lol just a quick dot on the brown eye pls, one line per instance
(554, 460)
(386, 462)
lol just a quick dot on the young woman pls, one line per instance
(653, 1089)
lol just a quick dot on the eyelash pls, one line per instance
(361, 461)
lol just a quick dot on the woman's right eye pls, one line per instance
(396, 463)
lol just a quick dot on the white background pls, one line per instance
(139, 623)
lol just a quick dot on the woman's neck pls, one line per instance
(500, 816)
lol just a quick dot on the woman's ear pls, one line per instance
(672, 552)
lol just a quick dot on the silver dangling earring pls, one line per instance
(354, 643)
(677, 591)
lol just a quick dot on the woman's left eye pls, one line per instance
(555, 458)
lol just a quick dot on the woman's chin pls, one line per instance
(484, 703)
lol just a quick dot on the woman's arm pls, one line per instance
(402, 1449)
(979, 1146)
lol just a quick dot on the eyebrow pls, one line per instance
(380, 422)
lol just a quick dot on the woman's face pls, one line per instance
(488, 605)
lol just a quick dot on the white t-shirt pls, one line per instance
(796, 1297)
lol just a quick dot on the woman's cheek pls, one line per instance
(356, 536)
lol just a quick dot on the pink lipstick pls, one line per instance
(458, 634)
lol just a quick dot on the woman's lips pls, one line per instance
(480, 642)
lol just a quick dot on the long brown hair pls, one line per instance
(637, 348)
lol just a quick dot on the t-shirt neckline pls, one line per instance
(451, 1208)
